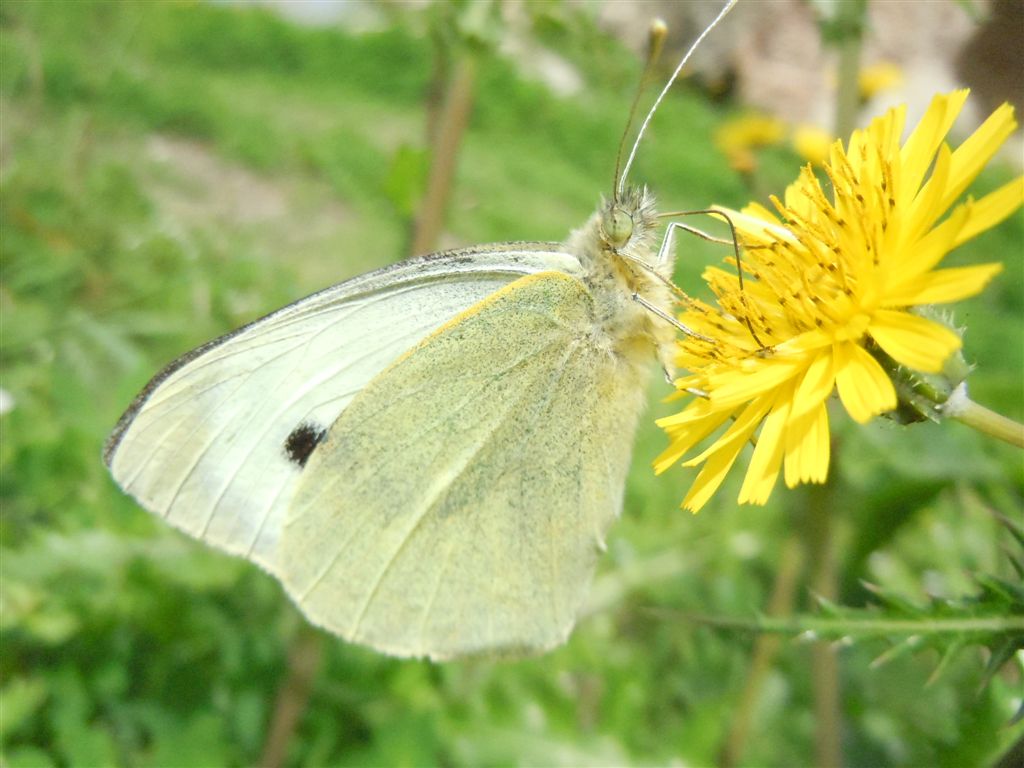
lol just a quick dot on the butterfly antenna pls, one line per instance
(661, 96)
(655, 43)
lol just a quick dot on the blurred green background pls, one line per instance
(171, 171)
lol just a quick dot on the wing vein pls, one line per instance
(437, 493)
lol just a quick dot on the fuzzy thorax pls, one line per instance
(616, 248)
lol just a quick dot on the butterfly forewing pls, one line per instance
(217, 441)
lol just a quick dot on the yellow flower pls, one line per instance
(739, 136)
(812, 143)
(878, 77)
(828, 300)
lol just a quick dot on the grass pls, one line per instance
(171, 171)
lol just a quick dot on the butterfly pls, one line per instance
(428, 456)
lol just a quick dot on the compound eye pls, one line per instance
(617, 226)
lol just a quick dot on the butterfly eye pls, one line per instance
(617, 226)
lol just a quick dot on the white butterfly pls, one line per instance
(427, 456)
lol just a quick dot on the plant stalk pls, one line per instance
(824, 581)
(960, 407)
(838, 627)
(450, 127)
(849, 21)
(766, 648)
(293, 695)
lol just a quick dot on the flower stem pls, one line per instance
(819, 534)
(963, 409)
(837, 627)
(849, 31)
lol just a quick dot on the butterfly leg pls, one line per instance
(655, 310)
(666, 245)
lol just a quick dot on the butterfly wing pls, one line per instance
(217, 441)
(458, 505)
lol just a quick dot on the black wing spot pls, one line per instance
(299, 445)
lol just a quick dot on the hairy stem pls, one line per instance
(837, 627)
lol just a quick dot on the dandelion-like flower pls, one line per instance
(878, 77)
(812, 143)
(740, 136)
(830, 297)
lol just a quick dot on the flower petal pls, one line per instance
(691, 414)
(739, 432)
(945, 285)
(740, 388)
(914, 341)
(992, 209)
(863, 385)
(922, 214)
(721, 456)
(920, 147)
(684, 438)
(763, 471)
(971, 156)
(925, 253)
(808, 448)
(710, 477)
(816, 384)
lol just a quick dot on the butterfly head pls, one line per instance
(626, 224)
(616, 225)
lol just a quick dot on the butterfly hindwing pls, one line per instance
(459, 503)
(218, 440)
